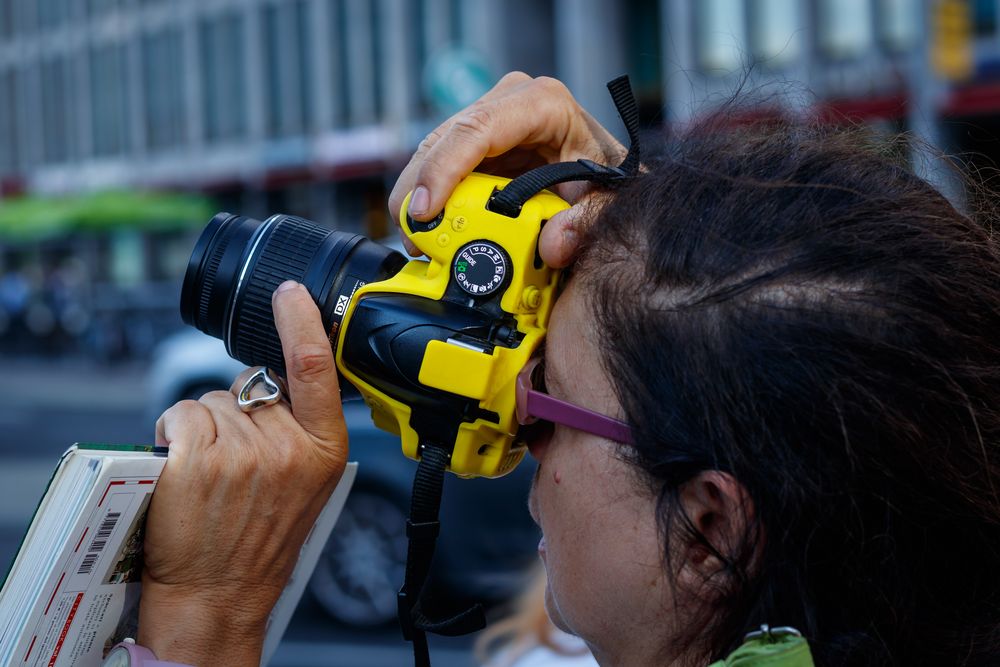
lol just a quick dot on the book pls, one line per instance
(72, 591)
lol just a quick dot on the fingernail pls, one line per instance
(287, 285)
(420, 200)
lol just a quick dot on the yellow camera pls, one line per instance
(468, 319)
(434, 347)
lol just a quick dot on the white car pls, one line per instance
(186, 365)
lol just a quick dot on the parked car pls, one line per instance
(487, 537)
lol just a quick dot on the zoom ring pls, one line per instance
(286, 255)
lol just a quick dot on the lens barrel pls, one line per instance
(238, 262)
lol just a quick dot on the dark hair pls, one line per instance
(791, 305)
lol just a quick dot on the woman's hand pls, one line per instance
(237, 498)
(520, 124)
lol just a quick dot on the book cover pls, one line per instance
(73, 589)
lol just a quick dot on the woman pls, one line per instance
(803, 338)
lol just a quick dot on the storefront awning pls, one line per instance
(36, 218)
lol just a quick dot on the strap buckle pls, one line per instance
(606, 172)
(423, 531)
(403, 611)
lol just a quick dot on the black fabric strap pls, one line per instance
(510, 200)
(422, 530)
(621, 95)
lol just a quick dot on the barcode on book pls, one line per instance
(99, 542)
(88, 563)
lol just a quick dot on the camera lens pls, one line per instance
(238, 263)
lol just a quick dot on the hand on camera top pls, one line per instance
(237, 499)
(522, 123)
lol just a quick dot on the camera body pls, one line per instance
(435, 349)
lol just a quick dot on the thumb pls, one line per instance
(560, 237)
(313, 386)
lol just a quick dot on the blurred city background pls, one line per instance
(125, 124)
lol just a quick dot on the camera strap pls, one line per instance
(510, 200)
(422, 531)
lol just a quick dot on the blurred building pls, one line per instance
(930, 68)
(295, 105)
(312, 106)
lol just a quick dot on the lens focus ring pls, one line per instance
(285, 255)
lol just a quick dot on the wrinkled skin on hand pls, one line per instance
(521, 123)
(237, 498)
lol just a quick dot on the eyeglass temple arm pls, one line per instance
(544, 406)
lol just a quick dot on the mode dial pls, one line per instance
(480, 268)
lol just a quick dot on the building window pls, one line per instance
(26, 91)
(223, 77)
(6, 19)
(899, 23)
(100, 7)
(455, 22)
(845, 28)
(163, 89)
(644, 59)
(304, 64)
(108, 100)
(776, 31)
(984, 17)
(358, 76)
(56, 109)
(287, 56)
(342, 65)
(720, 35)
(53, 13)
(275, 105)
(375, 22)
(418, 33)
(419, 46)
(8, 122)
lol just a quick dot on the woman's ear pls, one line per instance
(721, 512)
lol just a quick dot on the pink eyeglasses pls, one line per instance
(533, 404)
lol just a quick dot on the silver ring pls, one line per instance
(263, 377)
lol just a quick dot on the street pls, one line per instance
(49, 405)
